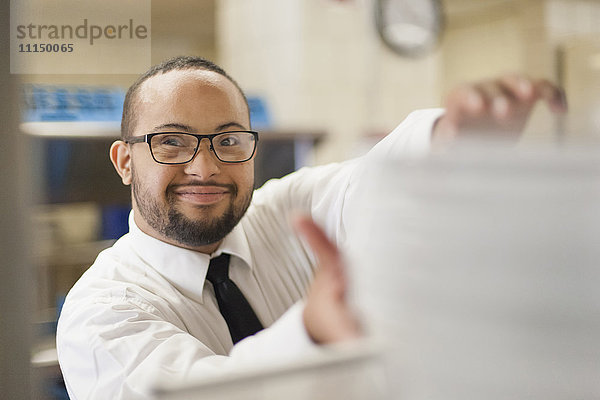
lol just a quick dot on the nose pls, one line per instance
(205, 163)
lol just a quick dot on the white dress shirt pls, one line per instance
(143, 311)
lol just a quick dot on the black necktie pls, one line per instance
(241, 319)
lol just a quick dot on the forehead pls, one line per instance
(197, 98)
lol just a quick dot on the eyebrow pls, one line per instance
(174, 126)
(186, 128)
(230, 125)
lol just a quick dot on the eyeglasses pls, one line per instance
(180, 148)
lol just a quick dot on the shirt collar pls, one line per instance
(236, 243)
(185, 269)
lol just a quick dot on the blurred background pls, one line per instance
(323, 87)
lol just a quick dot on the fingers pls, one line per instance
(464, 100)
(519, 86)
(530, 91)
(500, 107)
(327, 316)
(500, 99)
(503, 97)
(326, 252)
(493, 99)
(553, 95)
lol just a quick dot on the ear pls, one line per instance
(120, 155)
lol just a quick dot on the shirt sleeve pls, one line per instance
(322, 191)
(122, 347)
(412, 138)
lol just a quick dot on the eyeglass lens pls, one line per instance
(180, 147)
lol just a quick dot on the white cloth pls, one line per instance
(143, 310)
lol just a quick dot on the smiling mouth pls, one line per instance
(202, 195)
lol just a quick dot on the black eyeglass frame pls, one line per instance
(148, 137)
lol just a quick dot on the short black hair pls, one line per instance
(176, 63)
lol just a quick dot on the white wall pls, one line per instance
(319, 63)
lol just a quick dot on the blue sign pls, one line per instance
(259, 113)
(72, 103)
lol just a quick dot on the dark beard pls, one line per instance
(177, 227)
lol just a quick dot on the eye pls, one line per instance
(228, 141)
(172, 140)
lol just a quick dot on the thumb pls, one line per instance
(327, 254)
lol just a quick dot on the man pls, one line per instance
(151, 307)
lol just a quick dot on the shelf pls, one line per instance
(291, 134)
(73, 129)
(74, 254)
(112, 129)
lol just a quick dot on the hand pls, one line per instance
(497, 107)
(327, 316)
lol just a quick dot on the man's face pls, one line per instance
(192, 205)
